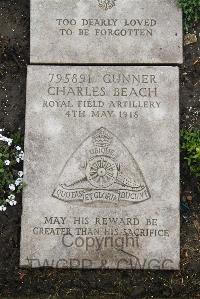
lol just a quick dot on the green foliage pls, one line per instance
(190, 145)
(11, 160)
(191, 11)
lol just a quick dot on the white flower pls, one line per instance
(12, 187)
(18, 181)
(11, 202)
(7, 162)
(21, 155)
(9, 141)
(20, 173)
(2, 208)
(18, 148)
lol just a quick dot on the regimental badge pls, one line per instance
(106, 4)
(101, 170)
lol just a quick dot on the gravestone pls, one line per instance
(106, 31)
(101, 167)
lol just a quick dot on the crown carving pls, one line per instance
(102, 138)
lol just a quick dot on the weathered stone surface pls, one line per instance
(101, 167)
(91, 31)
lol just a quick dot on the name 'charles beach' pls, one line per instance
(140, 89)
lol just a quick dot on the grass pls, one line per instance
(191, 12)
(190, 146)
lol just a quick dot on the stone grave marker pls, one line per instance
(106, 31)
(101, 167)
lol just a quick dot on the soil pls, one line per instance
(100, 284)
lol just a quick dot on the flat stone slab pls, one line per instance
(101, 167)
(106, 31)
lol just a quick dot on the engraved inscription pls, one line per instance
(101, 166)
(106, 32)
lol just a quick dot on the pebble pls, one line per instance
(190, 39)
